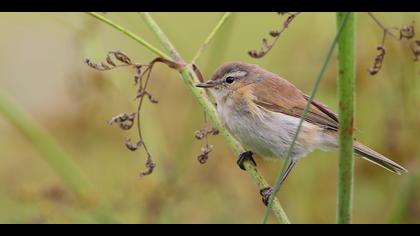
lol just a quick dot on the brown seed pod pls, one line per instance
(133, 146)
(407, 31)
(124, 120)
(274, 33)
(109, 61)
(120, 56)
(266, 46)
(204, 155)
(204, 132)
(415, 49)
(150, 165)
(377, 65)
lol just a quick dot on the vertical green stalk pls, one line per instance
(346, 81)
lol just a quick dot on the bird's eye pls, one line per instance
(230, 79)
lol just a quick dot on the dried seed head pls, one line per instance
(373, 70)
(152, 99)
(150, 165)
(124, 120)
(204, 155)
(289, 19)
(255, 54)
(266, 46)
(132, 146)
(204, 132)
(138, 74)
(142, 92)
(407, 31)
(120, 56)
(215, 131)
(377, 65)
(199, 134)
(93, 65)
(274, 33)
(415, 49)
(105, 66)
(109, 61)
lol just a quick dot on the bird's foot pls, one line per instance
(266, 193)
(245, 156)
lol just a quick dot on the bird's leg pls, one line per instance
(245, 156)
(266, 192)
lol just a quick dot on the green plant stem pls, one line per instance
(220, 45)
(346, 81)
(129, 34)
(276, 187)
(49, 149)
(167, 44)
(211, 36)
(190, 80)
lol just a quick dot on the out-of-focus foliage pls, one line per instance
(42, 70)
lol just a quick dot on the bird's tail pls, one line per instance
(378, 159)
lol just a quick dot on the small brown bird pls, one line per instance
(262, 110)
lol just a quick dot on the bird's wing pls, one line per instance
(281, 96)
(327, 111)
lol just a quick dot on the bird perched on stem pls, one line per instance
(262, 110)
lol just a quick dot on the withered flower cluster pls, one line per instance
(206, 148)
(406, 32)
(266, 46)
(126, 121)
(377, 64)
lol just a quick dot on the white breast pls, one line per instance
(270, 134)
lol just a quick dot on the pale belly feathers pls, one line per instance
(269, 134)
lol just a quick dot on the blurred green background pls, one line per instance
(42, 72)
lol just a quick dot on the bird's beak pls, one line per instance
(208, 84)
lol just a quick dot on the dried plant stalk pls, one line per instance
(406, 32)
(266, 46)
(126, 121)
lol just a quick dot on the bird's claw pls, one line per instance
(245, 156)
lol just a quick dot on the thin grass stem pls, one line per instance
(216, 29)
(129, 34)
